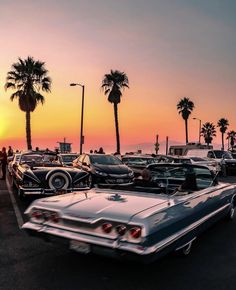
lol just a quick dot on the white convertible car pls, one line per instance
(156, 217)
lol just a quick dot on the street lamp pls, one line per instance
(200, 127)
(82, 116)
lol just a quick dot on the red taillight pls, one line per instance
(37, 214)
(121, 230)
(54, 218)
(135, 232)
(107, 227)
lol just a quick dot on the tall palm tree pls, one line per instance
(208, 131)
(231, 137)
(185, 107)
(27, 77)
(223, 125)
(112, 84)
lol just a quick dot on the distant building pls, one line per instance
(64, 147)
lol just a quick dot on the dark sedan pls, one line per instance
(104, 169)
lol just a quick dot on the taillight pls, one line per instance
(135, 232)
(121, 230)
(54, 218)
(37, 214)
(107, 227)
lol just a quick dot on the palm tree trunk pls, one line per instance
(186, 130)
(117, 128)
(223, 147)
(28, 131)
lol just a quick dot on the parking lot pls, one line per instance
(30, 263)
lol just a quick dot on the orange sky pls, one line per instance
(167, 50)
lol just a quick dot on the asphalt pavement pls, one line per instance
(30, 263)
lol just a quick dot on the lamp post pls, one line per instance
(200, 127)
(82, 117)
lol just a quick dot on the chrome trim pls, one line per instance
(38, 190)
(111, 184)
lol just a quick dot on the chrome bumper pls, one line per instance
(37, 190)
(117, 244)
(114, 244)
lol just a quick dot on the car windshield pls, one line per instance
(222, 154)
(39, 159)
(68, 158)
(178, 174)
(142, 161)
(105, 159)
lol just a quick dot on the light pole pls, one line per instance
(82, 117)
(200, 127)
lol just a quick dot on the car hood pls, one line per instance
(112, 169)
(91, 206)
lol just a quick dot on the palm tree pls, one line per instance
(231, 136)
(112, 84)
(208, 131)
(28, 77)
(223, 125)
(185, 107)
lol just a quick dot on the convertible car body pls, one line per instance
(152, 219)
(42, 173)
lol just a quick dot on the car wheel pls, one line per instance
(58, 180)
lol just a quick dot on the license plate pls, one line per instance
(80, 247)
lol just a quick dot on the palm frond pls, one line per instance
(9, 85)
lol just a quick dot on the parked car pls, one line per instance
(12, 165)
(211, 164)
(223, 158)
(67, 158)
(104, 169)
(139, 223)
(40, 173)
(137, 162)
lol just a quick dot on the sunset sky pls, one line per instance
(168, 48)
